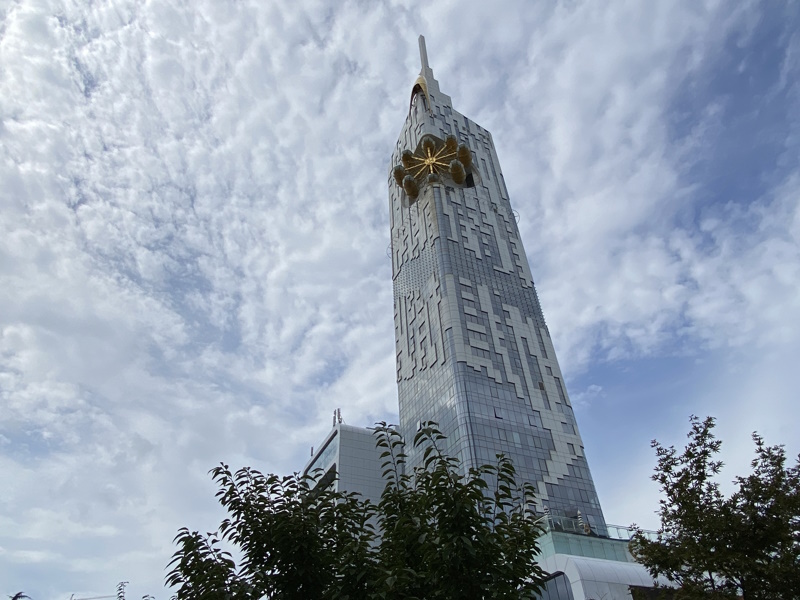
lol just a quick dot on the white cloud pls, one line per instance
(194, 224)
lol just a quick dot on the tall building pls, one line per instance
(474, 352)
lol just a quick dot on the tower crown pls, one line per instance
(433, 157)
(425, 75)
(426, 82)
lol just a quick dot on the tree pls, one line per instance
(746, 545)
(766, 526)
(445, 535)
(436, 533)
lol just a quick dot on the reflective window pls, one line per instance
(557, 588)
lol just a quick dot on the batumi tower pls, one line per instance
(474, 352)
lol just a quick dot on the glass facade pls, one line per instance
(473, 350)
(557, 588)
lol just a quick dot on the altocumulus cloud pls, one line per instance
(193, 235)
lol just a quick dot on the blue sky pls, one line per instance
(194, 222)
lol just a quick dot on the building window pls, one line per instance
(560, 389)
(535, 419)
(557, 588)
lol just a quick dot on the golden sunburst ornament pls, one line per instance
(432, 159)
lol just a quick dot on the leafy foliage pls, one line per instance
(447, 535)
(121, 590)
(436, 533)
(746, 545)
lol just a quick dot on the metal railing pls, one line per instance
(622, 532)
(580, 527)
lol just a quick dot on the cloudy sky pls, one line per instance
(194, 222)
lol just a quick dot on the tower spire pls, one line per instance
(426, 81)
(423, 54)
(426, 70)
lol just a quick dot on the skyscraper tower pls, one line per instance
(473, 350)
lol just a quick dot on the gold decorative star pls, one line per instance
(432, 159)
(429, 158)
